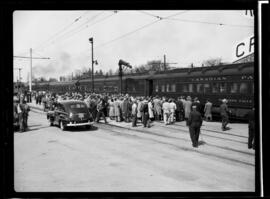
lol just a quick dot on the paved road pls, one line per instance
(109, 158)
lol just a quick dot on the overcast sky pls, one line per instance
(186, 36)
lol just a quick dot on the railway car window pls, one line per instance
(199, 88)
(243, 88)
(156, 89)
(163, 88)
(233, 88)
(190, 88)
(206, 88)
(185, 88)
(223, 87)
(173, 88)
(215, 88)
(168, 88)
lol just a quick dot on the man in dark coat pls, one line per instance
(145, 114)
(251, 129)
(224, 113)
(194, 123)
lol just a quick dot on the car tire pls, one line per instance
(62, 127)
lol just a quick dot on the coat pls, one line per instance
(195, 119)
(150, 110)
(139, 113)
(116, 108)
(111, 109)
(187, 107)
(157, 106)
(208, 109)
(224, 110)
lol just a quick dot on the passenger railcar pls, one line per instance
(234, 82)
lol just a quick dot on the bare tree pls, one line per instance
(212, 62)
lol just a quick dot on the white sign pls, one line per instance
(244, 48)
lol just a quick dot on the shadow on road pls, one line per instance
(201, 142)
(81, 128)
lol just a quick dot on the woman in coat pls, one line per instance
(111, 109)
(151, 109)
(117, 109)
(187, 107)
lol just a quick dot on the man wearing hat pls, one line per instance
(194, 122)
(224, 114)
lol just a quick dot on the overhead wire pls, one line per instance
(61, 30)
(87, 26)
(210, 23)
(138, 29)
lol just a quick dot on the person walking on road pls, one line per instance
(224, 113)
(194, 123)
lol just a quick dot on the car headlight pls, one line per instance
(71, 114)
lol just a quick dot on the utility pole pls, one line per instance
(30, 78)
(165, 63)
(18, 80)
(164, 58)
(93, 62)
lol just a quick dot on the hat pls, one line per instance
(194, 106)
(224, 100)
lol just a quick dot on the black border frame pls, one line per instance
(7, 86)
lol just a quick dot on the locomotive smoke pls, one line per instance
(54, 68)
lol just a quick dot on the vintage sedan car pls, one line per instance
(70, 113)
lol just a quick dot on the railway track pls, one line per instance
(228, 153)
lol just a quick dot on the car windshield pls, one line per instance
(77, 108)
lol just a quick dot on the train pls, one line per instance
(235, 82)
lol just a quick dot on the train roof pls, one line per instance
(226, 69)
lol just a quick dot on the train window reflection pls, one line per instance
(233, 88)
(173, 88)
(243, 88)
(199, 88)
(163, 88)
(190, 88)
(207, 88)
(223, 87)
(156, 88)
(215, 88)
(168, 88)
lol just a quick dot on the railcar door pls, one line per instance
(148, 91)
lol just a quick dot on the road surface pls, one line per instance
(112, 159)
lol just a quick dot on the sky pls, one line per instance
(136, 36)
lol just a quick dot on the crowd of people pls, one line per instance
(126, 108)
(20, 112)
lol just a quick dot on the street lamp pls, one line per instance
(92, 44)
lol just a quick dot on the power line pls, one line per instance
(62, 30)
(129, 33)
(87, 26)
(209, 23)
(144, 26)
(194, 21)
